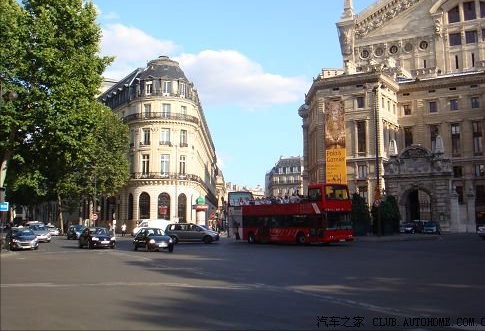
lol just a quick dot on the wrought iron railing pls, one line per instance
(158, 116)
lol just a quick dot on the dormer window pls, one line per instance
(148, 88)
(183, 90)
(166, 88)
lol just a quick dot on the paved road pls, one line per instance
(366, 285)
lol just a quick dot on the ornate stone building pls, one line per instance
(412, 89)
(285, 178)
(171, 154)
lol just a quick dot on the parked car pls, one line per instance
(432, 227)
(161, 224)
(420, 225)
(21, 238)
(152, 239)
(41, 231)
(481, 231)
(190, 232)
(407, 228)
(53, 230)
(96, 237)
(73, 231)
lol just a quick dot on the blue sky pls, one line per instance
(251, 61)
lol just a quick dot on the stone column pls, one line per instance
(470, 211)
(454, 212)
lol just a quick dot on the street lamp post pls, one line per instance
(377, 193)
(176, 185)
(11, 96)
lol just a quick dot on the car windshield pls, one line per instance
(155, 232)
(38, 227)
(430, 224)
(99, 231)
(205, 227)
(24, 232)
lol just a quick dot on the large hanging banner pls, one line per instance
(336, 165)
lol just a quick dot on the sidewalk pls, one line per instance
(368, 238)
(397, 237)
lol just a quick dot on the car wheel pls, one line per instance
(251, 238)
(170, 249)
(113, 246)
(36, 248)
(207, 239)
(175, 240)
(300, 239)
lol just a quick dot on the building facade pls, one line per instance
(285, 178)
(171, 154)
(412, 93)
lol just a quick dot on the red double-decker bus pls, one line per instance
(323, 217)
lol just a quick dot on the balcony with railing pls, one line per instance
(165, 176)
(160, 116)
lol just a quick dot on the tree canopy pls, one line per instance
(56, 135)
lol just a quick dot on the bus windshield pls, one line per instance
(239, 198)
(336, 192)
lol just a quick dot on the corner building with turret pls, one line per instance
(411, 91)
(171, 154)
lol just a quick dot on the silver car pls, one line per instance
(53, 230)
(42, 232)
(190, 232)
(20, 239)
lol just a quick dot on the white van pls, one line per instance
(161, 224)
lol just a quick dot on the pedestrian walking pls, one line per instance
(123, 229)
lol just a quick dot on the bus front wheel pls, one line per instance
(251, 238)
(300, 239)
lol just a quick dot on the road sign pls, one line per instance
(4, 206)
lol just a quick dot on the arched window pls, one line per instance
(130, 207)
(144, 206)
(164, 206)
(454, 15)
(182, 208)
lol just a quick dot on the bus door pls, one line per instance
(317, 225)
(264, 225)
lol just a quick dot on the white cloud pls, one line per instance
(132, 48)
(229, 77)
(222, 77)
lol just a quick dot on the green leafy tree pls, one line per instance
(56, 132)
(361, 220)
(390, 215)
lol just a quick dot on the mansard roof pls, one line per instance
(161, 68)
